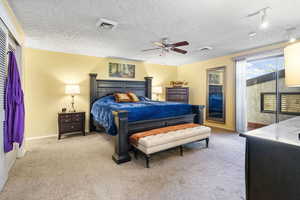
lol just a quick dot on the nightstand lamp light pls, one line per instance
(72, 90)
(157, 91)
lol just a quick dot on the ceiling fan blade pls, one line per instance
(150, 49)
(179, 50)
(159, 44)
(178, 44)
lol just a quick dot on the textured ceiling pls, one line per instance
(69, 26)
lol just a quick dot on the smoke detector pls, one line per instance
(105, 24)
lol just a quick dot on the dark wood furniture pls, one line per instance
(272, 161)
(100, 88)
(71, 122)
(177, 94)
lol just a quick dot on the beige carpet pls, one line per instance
(80, 167)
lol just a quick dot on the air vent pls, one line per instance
(205, 49)
(105, 24)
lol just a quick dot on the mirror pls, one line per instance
(215, 105)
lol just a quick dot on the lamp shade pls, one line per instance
(292, 65)
(157, 90)
(72, 89)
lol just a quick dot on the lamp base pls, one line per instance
(72, 104)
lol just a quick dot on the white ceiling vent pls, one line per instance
(105, 24)
(205, 49)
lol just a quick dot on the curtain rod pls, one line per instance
(277, 51)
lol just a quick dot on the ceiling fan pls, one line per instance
(165, 46)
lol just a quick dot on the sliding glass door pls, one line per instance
(261, 92)
(268, 99)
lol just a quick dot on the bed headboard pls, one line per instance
(100, 88)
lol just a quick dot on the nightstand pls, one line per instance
(71, 122)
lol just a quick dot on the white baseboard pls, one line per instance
(40, 137)
(220, 127)
(46, 136)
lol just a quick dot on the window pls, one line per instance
(268, 102)
(289, 103)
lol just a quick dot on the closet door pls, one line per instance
(3, 61)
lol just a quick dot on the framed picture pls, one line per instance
(215, 77)
(119, 70)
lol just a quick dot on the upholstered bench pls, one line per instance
(156, 140)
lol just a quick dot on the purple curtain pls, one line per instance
(14, 106)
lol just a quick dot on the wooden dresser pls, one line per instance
(71, 122)
(177, 94)
(272, 161)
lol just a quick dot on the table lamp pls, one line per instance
(72, 90)
(157, 91)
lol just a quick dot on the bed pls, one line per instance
(123, 119)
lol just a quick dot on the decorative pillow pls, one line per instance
(122, 97)
(133, 97)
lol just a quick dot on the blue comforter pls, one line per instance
(144, 110)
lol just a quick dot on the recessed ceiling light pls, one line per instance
(290, 34)
(292, 39)
(252, 34)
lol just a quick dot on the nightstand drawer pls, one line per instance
(70, 127)
(65, 119)
(77, 117)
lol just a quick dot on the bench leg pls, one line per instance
(147, 157)
(207, 142)
(181, 150)
(135, 153)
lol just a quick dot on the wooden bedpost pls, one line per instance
(93, 87)
(121, 154)
(148, 82)
(93, 91)
(199, 111)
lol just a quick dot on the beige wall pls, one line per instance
(195, 74)
(46, 74)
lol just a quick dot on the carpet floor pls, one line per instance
(80, 168)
